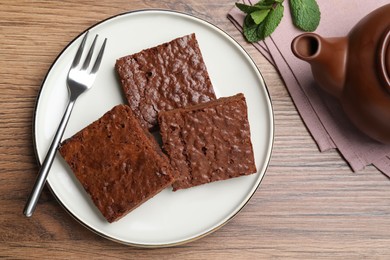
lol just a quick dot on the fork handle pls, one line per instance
(46, 165)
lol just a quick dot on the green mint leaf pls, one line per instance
(259, 16)
(266, 2)
(261, 6)
(247, 8)
(270, 23)
(250, 30)
(306, 14)
(248, 21)
(262, 18)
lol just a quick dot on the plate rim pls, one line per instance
(268, 153)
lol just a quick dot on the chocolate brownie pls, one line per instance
(168, 76)
(208, 142)
(117, 163)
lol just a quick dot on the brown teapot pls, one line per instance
(356, 70)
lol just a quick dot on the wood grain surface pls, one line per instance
(310, 205)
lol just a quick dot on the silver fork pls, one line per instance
(80, 79)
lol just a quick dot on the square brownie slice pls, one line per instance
(117, 163)
(168, 76)
(208, 142)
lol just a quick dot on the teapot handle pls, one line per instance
(384, 59)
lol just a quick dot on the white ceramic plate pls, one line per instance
(170, 218)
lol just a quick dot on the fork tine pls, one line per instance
(89, 55)
(99, 58)
(77, 58)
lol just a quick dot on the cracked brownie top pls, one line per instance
(119, 165)
(208, 142)
(168, 76)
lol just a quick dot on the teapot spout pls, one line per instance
(327, 57)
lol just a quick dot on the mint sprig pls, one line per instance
(272, 21)
(263, 18)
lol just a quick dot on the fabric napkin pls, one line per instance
(321, 113)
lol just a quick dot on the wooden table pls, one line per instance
(309, 205)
